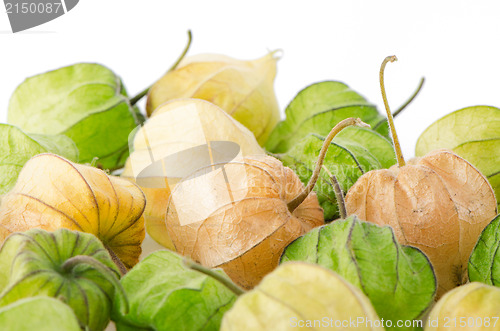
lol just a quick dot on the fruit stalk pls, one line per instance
(292, 205)
(339, 195)
(116, 260)
(404, 105)
(395, 140)
(215, 275)
(143, 93)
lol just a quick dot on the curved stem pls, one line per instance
(116, 260)
(105, 271)
(215, 275)
(136, 113)
(143, 93)
(395, 140)
(319, 163)
(404, 105)
(339, 195)
(184, 52)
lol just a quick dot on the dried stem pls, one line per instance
(397, 146)
(215, 275)
(338, 193)
(139, 96)
(292, 205)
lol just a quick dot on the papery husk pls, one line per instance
(244, 89)
(439, 203)
(245, 234)
(296, 296)
(52, 193)
(173, 128)
(469, 307)
(71, 266)
(154, 213)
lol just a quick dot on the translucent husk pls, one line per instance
(244, 89)
(165, 149)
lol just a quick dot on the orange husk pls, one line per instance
(247, 235)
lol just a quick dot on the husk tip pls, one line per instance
(277, 54)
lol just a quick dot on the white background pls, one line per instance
(454, 44)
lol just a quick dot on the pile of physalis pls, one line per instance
(208, 213)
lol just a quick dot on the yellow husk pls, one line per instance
(176, 127)
(52, 192)
(244, 89)
(469, 307)
(298, 295)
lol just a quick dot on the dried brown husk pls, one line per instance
(246, 234)
(439, 203)
(52, 193)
